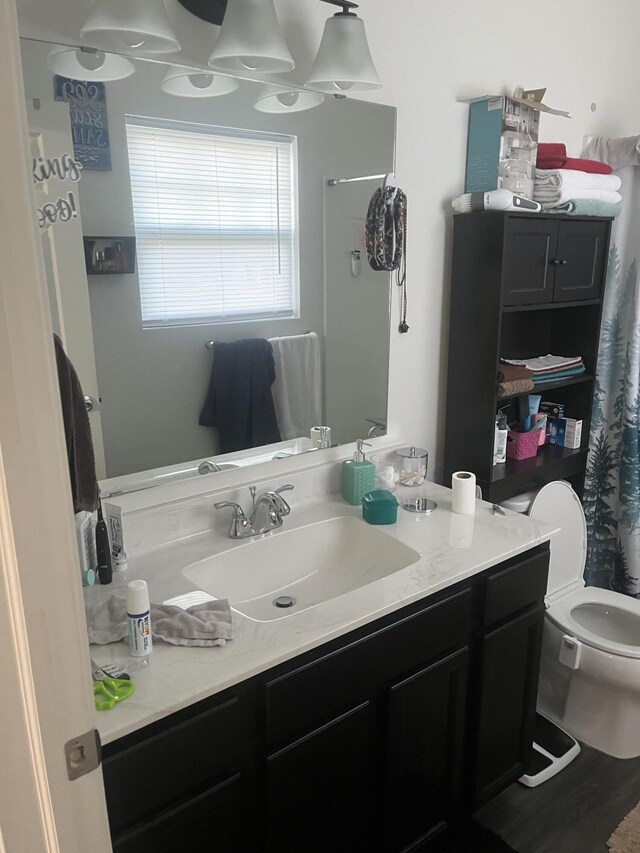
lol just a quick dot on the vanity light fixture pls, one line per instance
(85, 63)
(343, 62)
(281, 99)
(191, 83)
(122, 25)
(250, 40)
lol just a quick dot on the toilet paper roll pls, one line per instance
(463, 484)
(321, 436)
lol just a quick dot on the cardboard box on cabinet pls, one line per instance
(502, 142)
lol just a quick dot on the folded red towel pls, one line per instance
(553, 155)
(551, 162)
(593, 166)
(552, 149)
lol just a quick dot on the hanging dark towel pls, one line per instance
(239, 401)
(82, 466)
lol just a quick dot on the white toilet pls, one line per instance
(590, 670)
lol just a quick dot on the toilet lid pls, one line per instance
(557, 504)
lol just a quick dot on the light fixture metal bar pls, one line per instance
(332, 182)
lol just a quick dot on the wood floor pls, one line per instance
(575, 812)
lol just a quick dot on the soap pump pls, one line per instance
(358, 475)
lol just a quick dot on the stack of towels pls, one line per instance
(548, 368)
(514, 379)
(570, 185)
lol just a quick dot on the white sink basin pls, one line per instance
(310, 564)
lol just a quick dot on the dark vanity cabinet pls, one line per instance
(522, 285)
(370, 742)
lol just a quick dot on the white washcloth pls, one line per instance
(297, 389)
(566, 178)
(207, 624)
(552, 198)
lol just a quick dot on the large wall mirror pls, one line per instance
(238, 235)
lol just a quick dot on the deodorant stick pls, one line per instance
(139, 618)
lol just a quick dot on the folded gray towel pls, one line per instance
(207, 624)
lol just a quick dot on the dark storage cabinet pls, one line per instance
(371, 742)
(547, 259)
(522, 285)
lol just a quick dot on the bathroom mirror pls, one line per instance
(148, 378)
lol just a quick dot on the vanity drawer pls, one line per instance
(515, 588)
(327, 686)
(168, 767)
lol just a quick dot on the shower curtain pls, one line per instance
(612, 486)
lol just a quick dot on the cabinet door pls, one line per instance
(425, 733)
(510, 661)
(580, 260)
(528, 271)
(319, 789)
(211, 821)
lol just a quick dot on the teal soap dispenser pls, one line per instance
(358, 476)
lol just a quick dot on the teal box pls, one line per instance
(379, 507)
(502, 145)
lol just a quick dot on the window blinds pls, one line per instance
(216, 222)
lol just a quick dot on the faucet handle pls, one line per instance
(238, 519)
(283, 506)
(236, 507)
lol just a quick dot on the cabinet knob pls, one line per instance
(558, 262)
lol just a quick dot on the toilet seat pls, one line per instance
(559, 505)
(583, 612)
(561, 613)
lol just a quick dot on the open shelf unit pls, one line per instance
(523, 285)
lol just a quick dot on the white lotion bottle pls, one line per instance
(500, 452)
(139, 619)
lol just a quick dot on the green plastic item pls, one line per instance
(358, 476)
(380, 507)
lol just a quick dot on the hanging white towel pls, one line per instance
(297, 389)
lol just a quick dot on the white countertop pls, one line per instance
(452, 548)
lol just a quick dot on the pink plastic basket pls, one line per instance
(523, 445)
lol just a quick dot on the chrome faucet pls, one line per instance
(267, 512)
(208, 467)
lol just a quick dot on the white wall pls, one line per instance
(429, 55)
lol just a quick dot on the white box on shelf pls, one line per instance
(572, 433)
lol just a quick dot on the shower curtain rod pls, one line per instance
(332, 182)
(209, 344)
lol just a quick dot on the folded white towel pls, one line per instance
(560, 196)
(572, 178)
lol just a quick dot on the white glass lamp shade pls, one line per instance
(94, 66)
(187, 83)
(121, 25)
(280, 99)
(344, 61)
(250, 40)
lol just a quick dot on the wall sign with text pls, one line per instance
(89, 124)
(65, 207)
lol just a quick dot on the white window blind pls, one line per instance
(216, 222)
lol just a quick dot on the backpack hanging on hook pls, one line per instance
(386, 237)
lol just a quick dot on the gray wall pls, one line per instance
(153, 381)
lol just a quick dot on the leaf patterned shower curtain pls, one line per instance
(612, 485)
